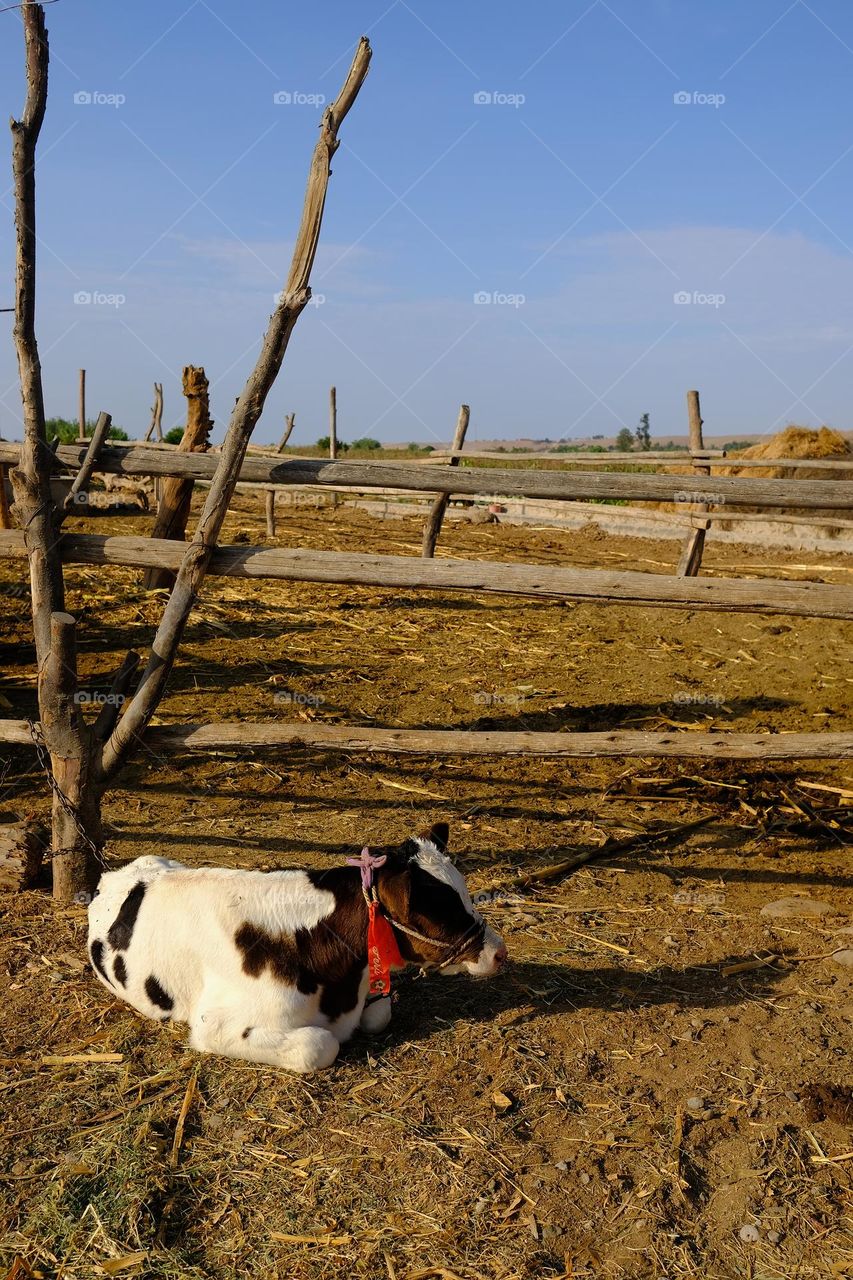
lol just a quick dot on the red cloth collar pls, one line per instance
(383, 953)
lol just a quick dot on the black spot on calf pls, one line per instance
(120, 971)
(96, 953)
(157, 995)
(121, 929)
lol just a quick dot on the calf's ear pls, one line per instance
(438, 834)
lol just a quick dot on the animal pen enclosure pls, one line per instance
(658, 1085)
(680, 591)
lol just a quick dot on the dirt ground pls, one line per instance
(659, 1086)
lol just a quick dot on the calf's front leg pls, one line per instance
(224, 1031)
(376, 1015)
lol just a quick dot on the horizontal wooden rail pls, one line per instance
(713, 458)
(727, 490)
(617, 742)
(737, 595)
(412, 504)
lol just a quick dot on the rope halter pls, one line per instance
(368, 863)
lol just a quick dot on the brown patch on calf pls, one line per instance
(331, 954)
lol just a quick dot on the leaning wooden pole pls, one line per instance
(244, 416)
(432, 528)
(173, 508)
(288, 431)
(694, 544)
(156, 413)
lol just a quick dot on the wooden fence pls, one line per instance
(681, 591)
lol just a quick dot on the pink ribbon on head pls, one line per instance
(368, 862)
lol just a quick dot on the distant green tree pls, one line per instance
(174, 435)
(68, 431)
(366, 442)
(324, 442)
(625, 440)
(644, 433)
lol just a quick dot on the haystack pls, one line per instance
(793, 442)
(796, 442)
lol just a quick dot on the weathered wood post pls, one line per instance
(5, 514)
(432, 528)
(694, 544)
(333, 422)
(81, 406)
(156, 413)
(76, 817)
(333, 433)
(174, 508)
(288, 431)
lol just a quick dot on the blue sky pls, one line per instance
(630, 244)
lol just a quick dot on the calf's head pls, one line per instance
(422, 890)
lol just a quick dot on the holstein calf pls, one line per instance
(273, 966)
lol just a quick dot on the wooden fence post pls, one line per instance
(5, 514)
(81, 406)
(432, 528)
(288, 431)
(174, 506)
(694, 544)
(333, 422)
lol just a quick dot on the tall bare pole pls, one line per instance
(76, 828)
